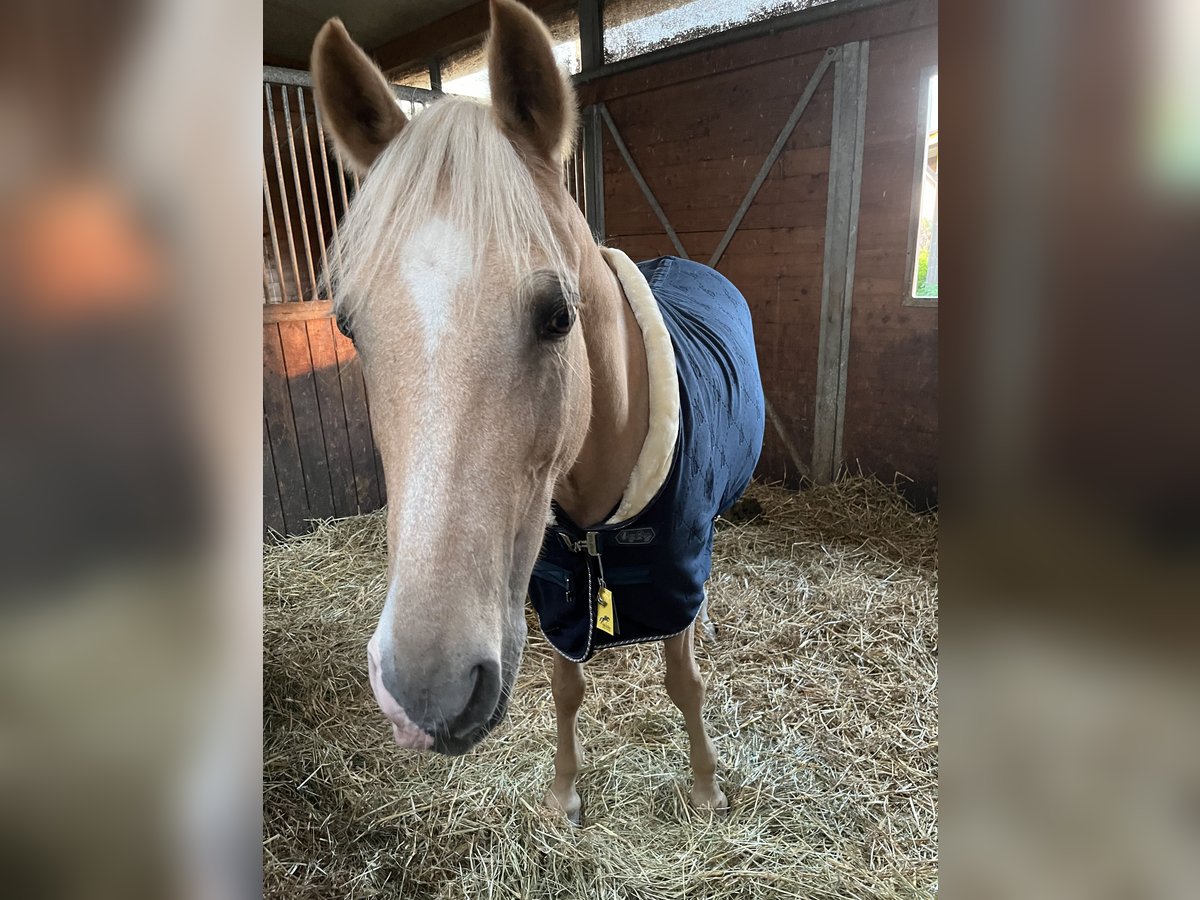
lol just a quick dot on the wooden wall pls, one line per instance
(319, 457)
(699, 127)
(892, 390)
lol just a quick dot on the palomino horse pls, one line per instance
(536, 399)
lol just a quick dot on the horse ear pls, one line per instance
(354, 98)
(531, 96)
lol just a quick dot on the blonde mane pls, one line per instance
(451, 161)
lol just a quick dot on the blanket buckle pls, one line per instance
(589, 545)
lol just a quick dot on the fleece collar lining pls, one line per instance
(658, 451)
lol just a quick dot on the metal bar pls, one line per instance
(569, 175)
(333, 219)
(712, 41)
(278, 75)
(581, 182)
(637, 176)
(287, 216)
(571, 167)
(592, 163)
(435, 74)
(271, 225)
(298, 78)
(342, 181)
(860, 130)
(414, 94)
(291, 142)
(835, 285)
(312, 181)
(591, 34)
(780, 142)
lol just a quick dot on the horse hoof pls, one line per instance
(715, 803)
(571, 808)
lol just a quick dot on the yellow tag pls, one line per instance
(606, 614)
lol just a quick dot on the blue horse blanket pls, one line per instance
(655, 560)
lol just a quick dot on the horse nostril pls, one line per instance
(485, 694)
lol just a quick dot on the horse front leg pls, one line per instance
(566, 684)
(686, 690)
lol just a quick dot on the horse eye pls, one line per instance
(560, 322)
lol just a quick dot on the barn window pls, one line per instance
(465, 72)
(923, 240)
(414, 76)
(633, 27)
(1171, 136)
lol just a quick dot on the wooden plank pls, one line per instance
(297, 312)
(690, 131)
(859, 75)
(358, 425)
(307, 414)
(692, 209)
(591, 34)
(333, 416)
(769, 217)
(841, 231)
(790, 251)
(699, 164)
(707, 118)
(285, 449)
(272, 506)
(794, 162)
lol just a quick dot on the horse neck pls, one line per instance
(620, 405)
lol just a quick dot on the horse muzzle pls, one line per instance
(446, 711)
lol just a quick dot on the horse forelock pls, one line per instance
(453, 170)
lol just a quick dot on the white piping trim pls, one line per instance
(626, 643)
(658, 451)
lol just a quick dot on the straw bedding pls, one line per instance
(822, 701)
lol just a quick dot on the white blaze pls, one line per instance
(435, 262)
(436, 265)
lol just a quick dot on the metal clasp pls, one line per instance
(589, 545)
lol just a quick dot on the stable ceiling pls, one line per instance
(289, 26)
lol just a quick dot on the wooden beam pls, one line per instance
(841, 243)
(591, 34)
(284, 62)
(297, 312)
(443, 36)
